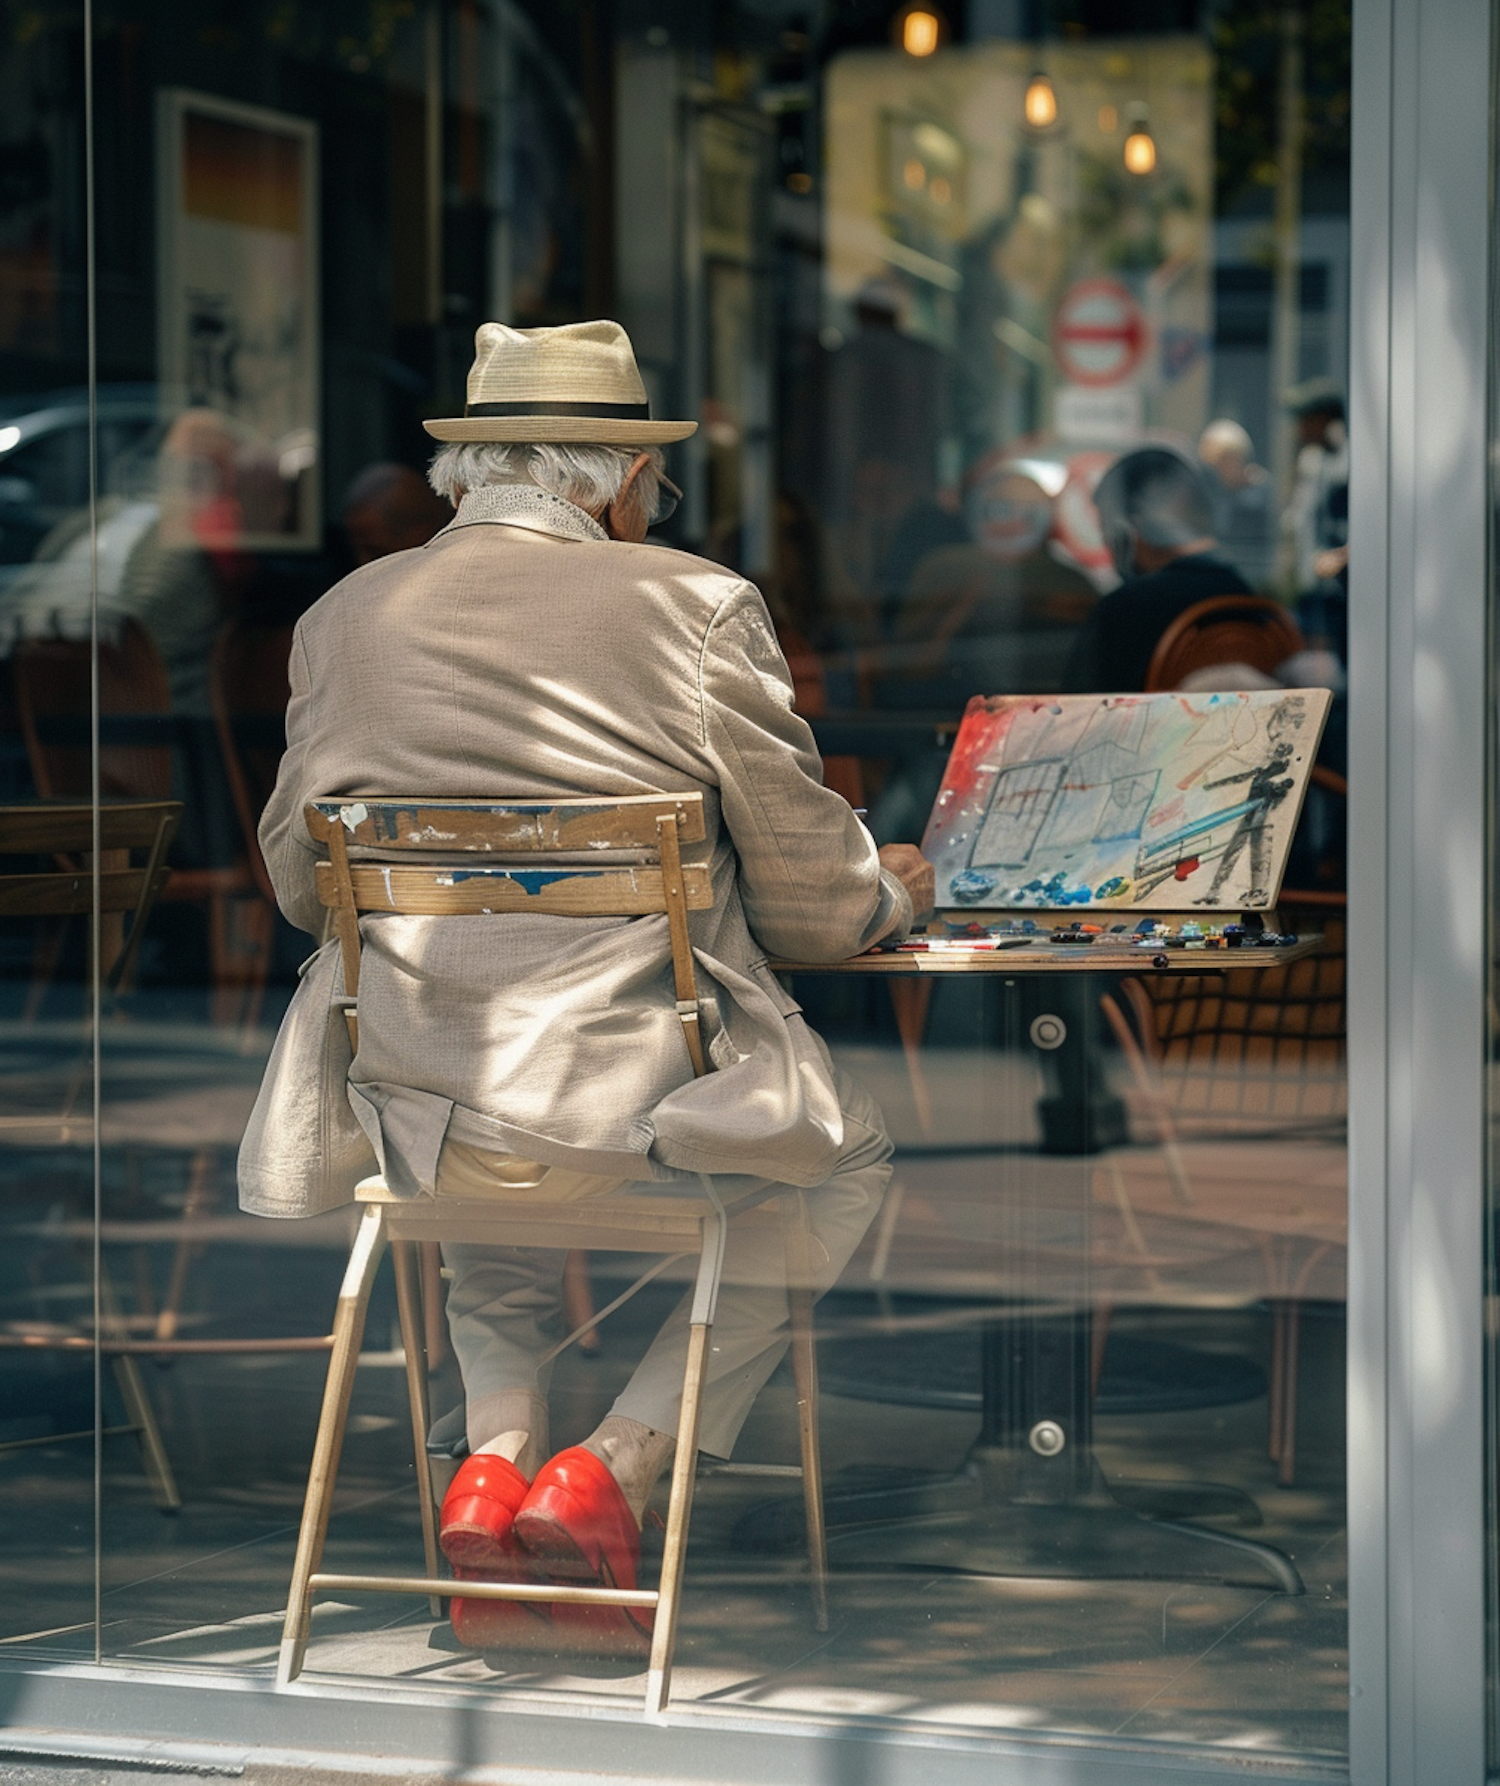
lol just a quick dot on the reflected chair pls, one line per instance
(1224, 629)
(66, 833)
(249, 689)
(138, 740)
(411, 879)
(1251, 1055)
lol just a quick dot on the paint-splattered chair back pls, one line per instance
(434, 866)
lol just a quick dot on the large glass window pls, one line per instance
(1018, 340)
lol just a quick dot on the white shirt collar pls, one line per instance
(523, 505)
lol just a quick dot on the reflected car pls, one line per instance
(44, 459)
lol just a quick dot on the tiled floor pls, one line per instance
(1193, 1661)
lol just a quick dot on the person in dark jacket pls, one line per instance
(1157, 518)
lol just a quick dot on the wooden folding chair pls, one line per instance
(430, 868)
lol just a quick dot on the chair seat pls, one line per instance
(608, 1224)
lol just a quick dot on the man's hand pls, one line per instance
(914, 871)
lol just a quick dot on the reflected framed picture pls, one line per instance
(238, 318)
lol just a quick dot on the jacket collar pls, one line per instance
(523, 505)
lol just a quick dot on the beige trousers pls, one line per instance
(505, 1303)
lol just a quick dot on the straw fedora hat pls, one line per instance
(575, 383)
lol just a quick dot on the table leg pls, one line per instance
(1030, 1498)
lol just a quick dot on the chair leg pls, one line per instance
(1278, 1378)
(200, 1198)
(679, 1512)
(260, 928)
(885, 1229)
(138, 1410)
(348, 1334)
(911, 1001)
(414, 1346)
(805, 1376)
(1286, 1459)
(434, 1305)
(685, 1461)
(142, 1418)
(1101, 1316)
(800, 1300)
(578, 1300)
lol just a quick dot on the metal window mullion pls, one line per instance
(1419, 596)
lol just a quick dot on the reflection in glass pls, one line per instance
(1008, 356)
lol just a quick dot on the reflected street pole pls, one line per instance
(1286, 318)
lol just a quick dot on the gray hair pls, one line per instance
(1155, 495)
(591, 476)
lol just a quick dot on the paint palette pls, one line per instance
(1148, 938)
(1167, 802)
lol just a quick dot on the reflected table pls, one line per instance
(1030, 1498)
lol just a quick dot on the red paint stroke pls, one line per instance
(984, 727)
(1184, 869)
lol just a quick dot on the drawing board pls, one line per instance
(1151, 802)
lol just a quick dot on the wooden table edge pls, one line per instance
(1058, 959)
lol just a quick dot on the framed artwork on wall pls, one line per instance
(238, 318)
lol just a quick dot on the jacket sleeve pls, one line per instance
(811, 882)
(290, 854)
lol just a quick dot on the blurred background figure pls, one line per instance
(1240, 490)
(803, 595)
(390, 508)
(997, 612)
(887, 410)
(170, 556)
(1317, 518)
(993, 612)
(1157, 517)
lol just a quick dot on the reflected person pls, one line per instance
(1244, 520)
(1158, 522)
(391, 508)
(996, 614)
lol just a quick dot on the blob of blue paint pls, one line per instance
(969, 886)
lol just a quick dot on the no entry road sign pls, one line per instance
(1098, 333)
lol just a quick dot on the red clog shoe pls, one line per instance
(482, 1500)
(577, 1525)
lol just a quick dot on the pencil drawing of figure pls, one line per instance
(1266, 788)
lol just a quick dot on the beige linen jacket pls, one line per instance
(522, 652)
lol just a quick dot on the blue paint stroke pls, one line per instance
(1166, 846)
(530, 880)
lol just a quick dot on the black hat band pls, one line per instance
(625, 412)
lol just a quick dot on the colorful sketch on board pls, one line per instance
(1153, 801)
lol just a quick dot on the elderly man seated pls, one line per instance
(539, 647)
